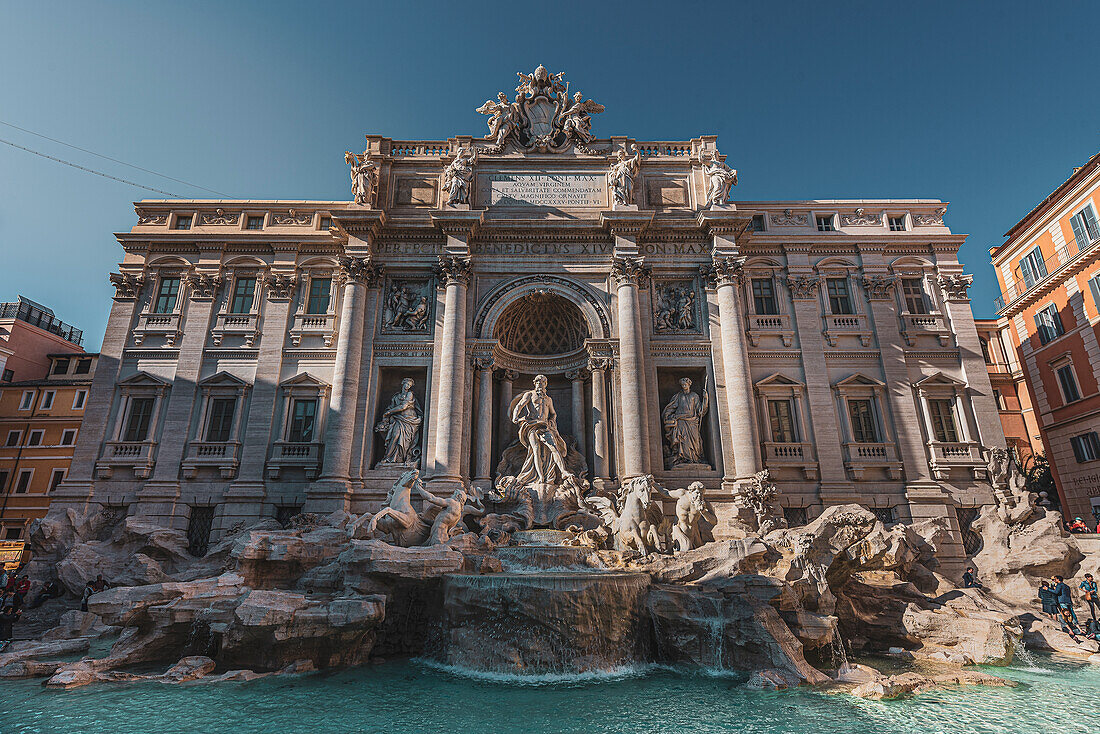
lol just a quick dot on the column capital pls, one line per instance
(482, 363)
(127, 285)
(803, 287)
(879, 287)
(600, 364)
(454, 270)
(722, 271)
(629, 271)
(203, 286)
(361, 270)
(955, 286)
(280, 287)
(577, 374)
(509, 375)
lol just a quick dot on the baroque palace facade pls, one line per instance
(264, 358)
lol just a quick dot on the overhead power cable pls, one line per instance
(89, 170)
(115, 160)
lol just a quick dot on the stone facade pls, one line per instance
(253, 346)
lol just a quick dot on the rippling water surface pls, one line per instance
(1054, 695)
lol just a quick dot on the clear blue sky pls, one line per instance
(985, 105)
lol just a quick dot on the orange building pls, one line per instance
(39, 422)
(1010, 392)
(29, 334)
(1049, 272)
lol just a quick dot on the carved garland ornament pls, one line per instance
(203, 286)
(860, 219)
(220, 217)
(127, 286)
(280, 287)
(789, 219)
(454, 270)
(879, 287)
(930, 220)
(955, 286)
(803, 287)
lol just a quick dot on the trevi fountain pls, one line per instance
(639, 571)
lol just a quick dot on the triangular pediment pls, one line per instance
(859, 380)
(224, 379)
(777, 379)
(143, 379)
(304, 379)
(940, 379)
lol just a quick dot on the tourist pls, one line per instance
(99, 584)
(1088, 588)
(88, 591)
(1069, 623)
(1063, 597)
(22, 588)
(1046, 597)
(1078, 526)
(13, 579)
(970, 580)
(51, 590)
(7, 622)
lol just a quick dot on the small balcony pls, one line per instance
(914, 325)
(854, 324)
(799, 456)
(948, 455)
(158, 324)
(858, 457)
(236, 324)
(136, 455)
(225, 456)
(313, 324)
(292, 455)
(778, 325)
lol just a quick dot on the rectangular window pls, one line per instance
(319, 295)
(1048, 323)
(825, 223)
(1086, 230)
(34, 438)
(254, 223)
(942, 413)
(3, 481)
(1086, 447)
(763, 296)
(47, 400)
(220, 426)
(60, 366)
(1032, 267)
(137, 424)
(999, 399)
(1068, 382)
(83, 367)
(68, 437)
(840, 299)
(27, 401)
(326, 222)
(897, 224)
(79, 398)
(303, 415)
(244, 291)
(862, 418)
(183, 221)
(781, 417)
(8, 376)
(915, 299)
(13, 439)
(167, 292)
(13, 533)
(757, 223)
(56, 477)
(23, 483)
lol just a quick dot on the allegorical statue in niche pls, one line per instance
(720, 178)
(364, 176)
(536, 427)
(406, 308)
(401, 426)
(682, 419)
(691, 508)
(459, 175)
(576, 122)
(620, 176)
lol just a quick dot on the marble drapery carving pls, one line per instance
(400, 426)
(682, 419)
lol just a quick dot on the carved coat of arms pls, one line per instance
(543, 117)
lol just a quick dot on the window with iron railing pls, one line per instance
(1086, 229)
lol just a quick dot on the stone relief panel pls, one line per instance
(675, 307)
(408, 306)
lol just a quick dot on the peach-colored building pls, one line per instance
(1010, 392)
(29, 333)
(1049, 273)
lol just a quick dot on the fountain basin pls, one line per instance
(545, 623)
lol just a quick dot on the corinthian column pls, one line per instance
(482, 470)
(455, 271)
(507, 377)
(726, 276)
(340, 427)
(599, 366)
(629, 273)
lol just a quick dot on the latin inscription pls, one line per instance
(555, 190)
(649, 249)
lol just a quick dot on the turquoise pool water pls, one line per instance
(1054, 695)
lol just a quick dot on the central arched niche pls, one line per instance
(541, 325)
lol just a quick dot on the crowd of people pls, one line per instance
(15, 588)
(1056, 598)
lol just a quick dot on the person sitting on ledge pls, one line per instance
(970, 580)
(99, 584)
(7, 621)
(1078, 526)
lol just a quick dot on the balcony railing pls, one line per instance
(950, 454)
(772, 325)
(313, 324)
(1051, 265)
(299, 455)
(240, 324)
(794, 455)
(854, 324)
(30, 313)
(861, 456)
(137, 455)
(932, 324)
(221, 455)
